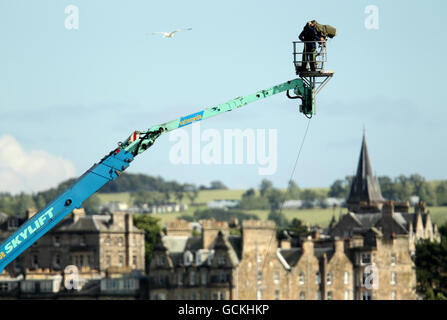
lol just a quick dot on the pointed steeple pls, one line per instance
(365, 187)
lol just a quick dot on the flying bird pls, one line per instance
(171, 34)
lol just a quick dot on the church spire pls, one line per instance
(365, 187)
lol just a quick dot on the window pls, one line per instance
(259, 276)
(302, 295)
(204, 296)
(365, 277)
(35, 260)
(366, 295)
(393, 278)
(393, 295)
(107, 260)
(329, 295)
(276, 277)
(221, 259)
(134, 260)
(81, 260)
(4, 287)
(120, 241)
(57, 260)
(329, 278)
(180, 278)
(193, 296)
(318, 295)
(187, 257)
(121, 260)
(259, 258)
(366, 258)
(259, 295)
(215, 296)
(203, 278)
(301, 278)
(276, 294)
(346, 295)
(108, 241)
(192, 278)
(317, 278)
(346, 277)
(82, 241)
(199, 258)
(56, 241)
(159, 260)
(393, 259)
(181, 296)
(222, 295)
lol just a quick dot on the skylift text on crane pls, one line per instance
(24, 234)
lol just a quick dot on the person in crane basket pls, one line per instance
(310, 37)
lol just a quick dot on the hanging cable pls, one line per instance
(290, 179)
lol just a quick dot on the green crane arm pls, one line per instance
(138, 142)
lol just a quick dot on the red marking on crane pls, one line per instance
(134, 136)
(117, 151)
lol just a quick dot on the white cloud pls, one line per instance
(30, 170)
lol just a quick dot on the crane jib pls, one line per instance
(43, 221)
(118, 160)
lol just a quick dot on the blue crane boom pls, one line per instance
(119, 159)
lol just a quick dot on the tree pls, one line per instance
(249, 193)
(279, 218)
(265, 186)
(275, 198)
(386, 186)
(91, 205)
(293, 192)
(309, 195)
(217, 185)
(339, 189)
(192, 195)
(441, 193)
(179, 195)
(297, 228)
(151, 228)
(431, 267)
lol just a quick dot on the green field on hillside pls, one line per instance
(318, 216)
(204, 196)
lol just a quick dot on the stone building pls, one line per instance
(100, 246)
(366, 254)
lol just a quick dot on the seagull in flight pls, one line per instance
(170, 34)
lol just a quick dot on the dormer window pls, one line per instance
(187, 257)
(199, 258)
(221, 260)
(366, 258)
(210, 257)
(56, 241)
(159, 260)
(393, 259)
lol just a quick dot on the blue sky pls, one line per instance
(68, 96)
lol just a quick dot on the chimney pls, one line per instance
(285, 244)
(316, 235)
(30, 212)
(210, 230)
(388, 209)
(339, 246)
(178, 227)
(76, 214)
(308, 246)
(129, 221)
(118, 219)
